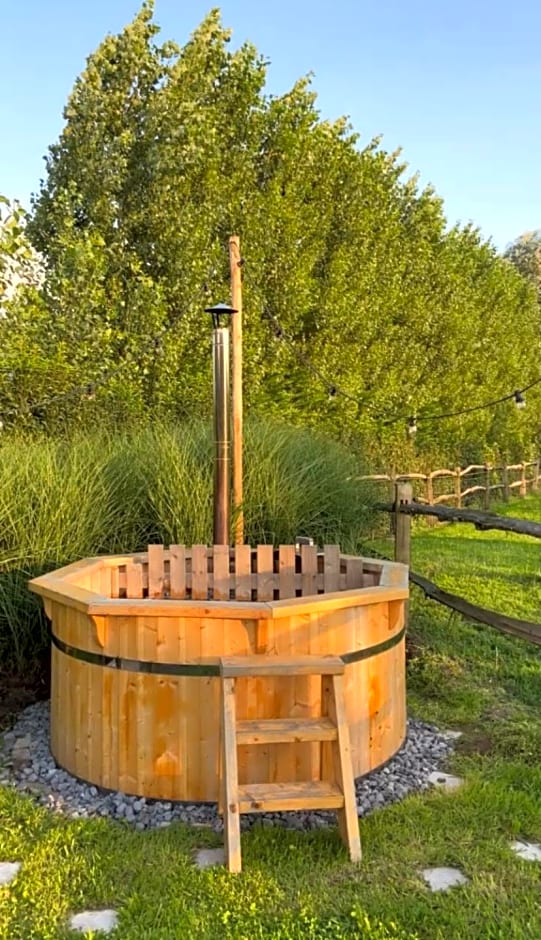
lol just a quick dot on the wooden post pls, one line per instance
(535, 477)
(486, 499)
(236, 302)
(402, 539)
(523, 482)
(402, 544)
(430, 497)
(505, 481)
(458, 488)
(392, 519)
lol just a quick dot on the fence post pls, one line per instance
(392, 494)
(523, 483)
(429, 488)
(505, 481)
(535, 478)
(458, 488)
(430, 520)
(486, 499)
(402, 542)
(402, 525)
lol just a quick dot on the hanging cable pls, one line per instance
(517, 396)
(332, 388)
(411, 420)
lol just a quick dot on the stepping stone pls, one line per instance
(445, 781)
(440, 879)
(452, 735)
(530, 851)
(206, 858)
(87, 921)
(8, 870)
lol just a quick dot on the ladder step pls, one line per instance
(282, 730)
(275, 797)
(235, 666)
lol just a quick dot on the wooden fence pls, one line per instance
(478, 480)
(238, 573)
(403, 508)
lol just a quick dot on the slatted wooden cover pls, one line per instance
(238, 573)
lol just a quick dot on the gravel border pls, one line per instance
(27, 764)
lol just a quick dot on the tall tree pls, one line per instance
(166, 151)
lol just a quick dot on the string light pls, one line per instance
(88, 390)
(332, 388)
(412, 426)
(411, 420)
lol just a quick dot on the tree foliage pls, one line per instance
(20, 265)
(525, 254)
(165, 152)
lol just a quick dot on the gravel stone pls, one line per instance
(410, 770)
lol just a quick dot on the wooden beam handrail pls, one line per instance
(524, 629)
(481, 520)
(434, 474)
(475, 466)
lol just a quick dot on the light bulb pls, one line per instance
(412, 426)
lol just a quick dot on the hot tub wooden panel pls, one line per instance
(135, 697)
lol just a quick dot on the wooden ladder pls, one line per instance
(274, 797)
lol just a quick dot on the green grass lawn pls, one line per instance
(298, 886)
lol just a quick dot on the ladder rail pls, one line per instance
(330, 730)
(230, 783)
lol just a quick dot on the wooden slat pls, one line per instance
(121, 580)
(134, 580)
(275, 797)
(177, 571)
(339, 600)
(115, 582)
(70, 595)
(243, 576)
(230, 788)
(199, 573)
(283, 730)
(354, 573)
(126, 607)
(221, 580)
(348, 820)
(166, 764)
(144, 566)
(147, 650)
(331, 557)
(265, 575)
(128, 699)
(281, 665)
(308, 570)
(286, 568)
(155, 570)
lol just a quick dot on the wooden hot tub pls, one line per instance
(135, 647)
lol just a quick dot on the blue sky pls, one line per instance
(455, 83)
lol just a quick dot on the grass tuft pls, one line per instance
(61, 500)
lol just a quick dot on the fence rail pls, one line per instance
(403, 507)
(479, 479)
